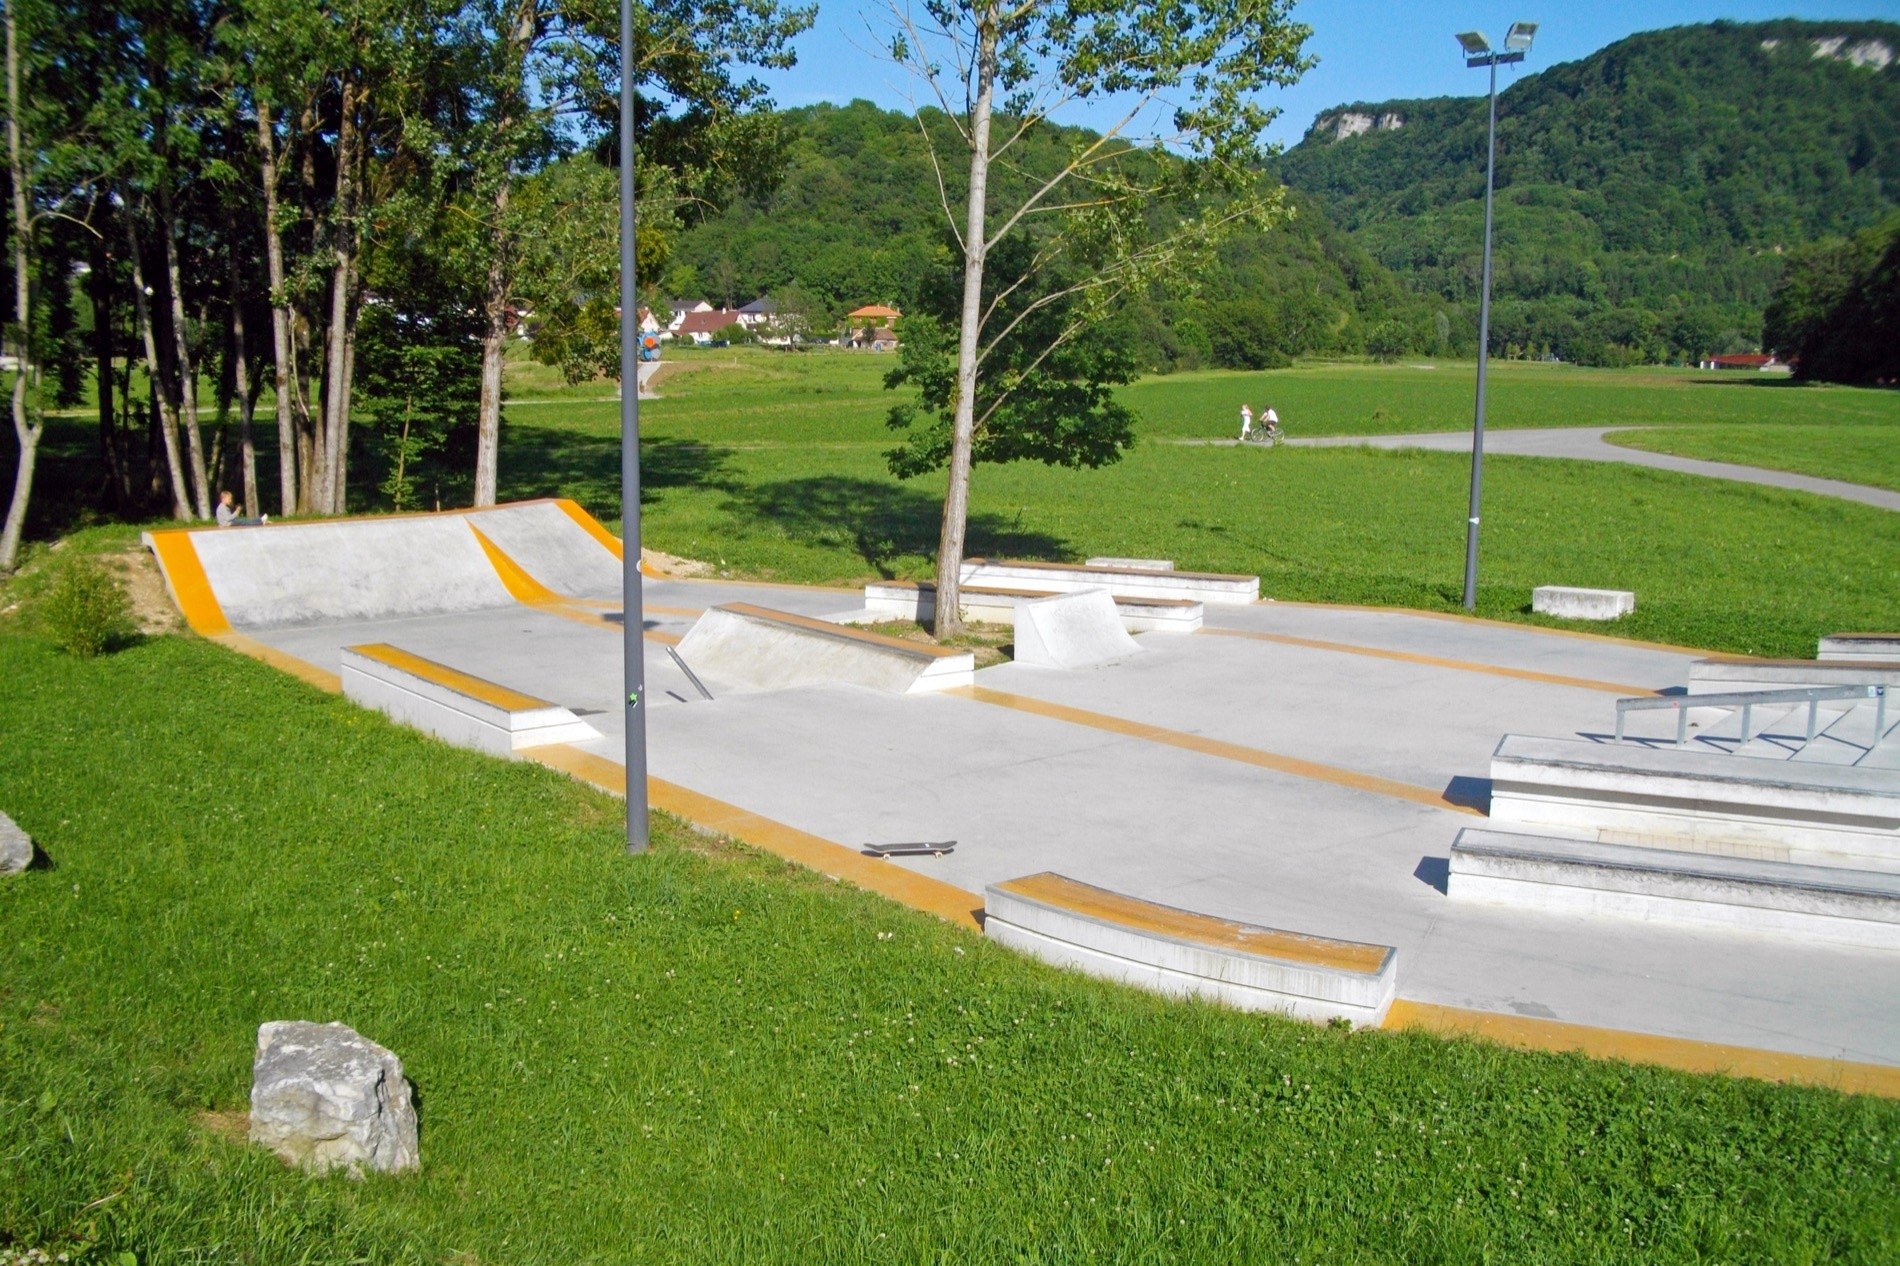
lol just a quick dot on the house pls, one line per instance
(701, 326)
(871, 327)
(1743, 360)
(680, 309)
(759, 312)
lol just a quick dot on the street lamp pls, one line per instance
(633, 612)
(1478, 52)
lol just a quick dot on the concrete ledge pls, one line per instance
(1142, 582)
(1134, 564)
(1879, 647)
(455, 706)
(1105, 933)
(749, 646)
(1576, 876)
(1669, 798)
(1071, 630)
(1719, 674)
(913, 600)
(1571, 603)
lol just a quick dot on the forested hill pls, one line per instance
(1646, 193)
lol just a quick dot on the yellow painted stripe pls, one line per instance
(657, 609)
(1638, 643)
(185, 572)
(514, 577)
(1216, 747)
(596, 529)
(462, 683)
(886, 878)
(1062, 892)
(1531, 1033)
(1434, 661)
(664, 639)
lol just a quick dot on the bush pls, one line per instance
(85, 610)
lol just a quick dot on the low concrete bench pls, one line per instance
(1721, 674)
(1103, 933)
(1134, 582)
(1573, 876)
(1137, 564)
(1851, 647)
(757, 647)
(454, 706)
(1570, 603)
(915, 600)
(1742, 806)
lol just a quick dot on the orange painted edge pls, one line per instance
(439, 674)
(515, 579)
(1688, 1055)
(598, 530)
(845, 632)
(191, 588)
(1436, 661)
(920, 892)
(1219, 748)
(1105, 905)
(1638, 643)
(283, 661)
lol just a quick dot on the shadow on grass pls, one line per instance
(551, 463)
(882, 522)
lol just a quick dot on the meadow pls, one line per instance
(770, 464)
(707, 1055)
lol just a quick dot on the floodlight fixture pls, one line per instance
(1475, 44)
(1520, 37)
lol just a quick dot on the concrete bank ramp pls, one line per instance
(758, 648)
(1071, 630)
(386, 567)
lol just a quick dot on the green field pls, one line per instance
(771, 465)
(1865, 453)
(707, 1055)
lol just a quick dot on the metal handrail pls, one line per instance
(1747, 700)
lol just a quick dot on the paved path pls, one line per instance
(1588, 444)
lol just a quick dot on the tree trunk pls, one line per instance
(246, 394)
(155, 369)
(305, 328)
(26, 431)
(99, 286)
(187, 372)
(336, 387)
(342, 469)
(956, 497)
(494, 344)
(280, 315)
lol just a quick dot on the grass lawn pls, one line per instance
(771, 465)
(1865, 453)
(706, 1055)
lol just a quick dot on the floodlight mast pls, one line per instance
(1478, 52)
(633, 613)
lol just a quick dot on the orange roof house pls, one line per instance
(873, 312)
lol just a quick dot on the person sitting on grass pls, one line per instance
(229, 510)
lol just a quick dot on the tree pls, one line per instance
(1092, 231)
(1836, 313)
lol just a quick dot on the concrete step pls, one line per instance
(454, 706)
(917, 600)
(1213, 587)
(1781, 810)
(1581, 876)
(1722, 674)
(1103, 933)
(1860, 647)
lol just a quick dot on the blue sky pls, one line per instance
(1368, 50)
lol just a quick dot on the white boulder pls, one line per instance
(323, 1096)
(16, 847)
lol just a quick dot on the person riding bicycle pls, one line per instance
(1270, 423)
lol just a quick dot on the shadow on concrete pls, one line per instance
(1469, 793)
(882, 522)
(1434, 872)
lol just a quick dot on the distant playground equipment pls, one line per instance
(649, 347)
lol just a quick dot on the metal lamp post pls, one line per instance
(633, 643)
(1478, 52)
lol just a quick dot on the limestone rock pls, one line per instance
(16, 847)
(323, 1096)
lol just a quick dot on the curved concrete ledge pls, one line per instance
(1109, 934)
(454, 706)
(1719, 674)
(1577, 876)
(1739, 805)
(758, 648)
(1142, 582)
(917, 600)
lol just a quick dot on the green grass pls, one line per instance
(1863, 453)
(771, 465)
(706, 1055)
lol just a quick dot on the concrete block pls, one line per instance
(1580, 876)
(1134, 564)
(1071, 630)
(757, 648)
(1878, 647)
(1795, 811)
(454, 706)
(1103, 933)
(1124, 582)
(1570, 603)
(1722, 674)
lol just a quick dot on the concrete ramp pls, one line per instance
(762, 649)
(387, 567)
(1071, 630)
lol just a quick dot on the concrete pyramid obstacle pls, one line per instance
(1071, 630)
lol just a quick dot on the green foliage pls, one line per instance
(1659, 179)
(83, 608)
(704, 1055)
(1836, 314)
(419, 383)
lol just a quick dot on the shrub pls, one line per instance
(85, 610)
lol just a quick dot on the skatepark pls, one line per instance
(1398, 818)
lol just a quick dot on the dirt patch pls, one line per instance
(230, 1125)
(989, 643)
(152, 607)
(671, 565)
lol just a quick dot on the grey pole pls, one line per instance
(632, 631)
(1484, 356)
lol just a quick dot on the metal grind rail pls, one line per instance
(1749, 700)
